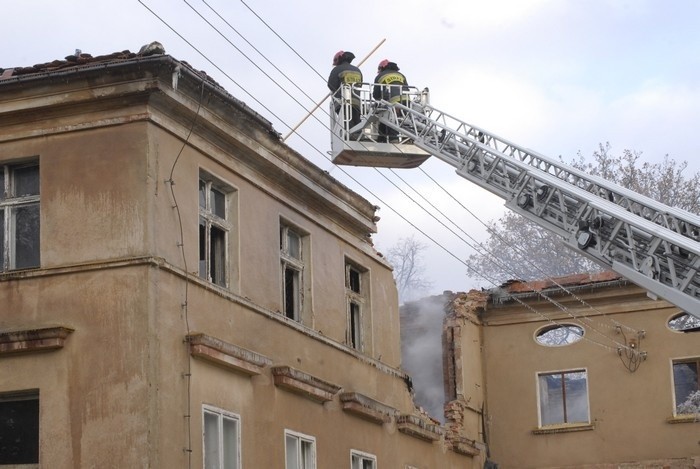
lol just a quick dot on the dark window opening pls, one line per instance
(355, 332)
(19, 429)
(217, 256)
(354, 280)
(291, 293)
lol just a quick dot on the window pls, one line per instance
(292, 247)
(559, 335)
(300, 451)
(214, 228)
(221, 439)
(355, 288)
(686, 385)
(684, 322)
(19, 428)
(563, 397)
(361, 460)
(19, 216)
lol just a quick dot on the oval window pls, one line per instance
(559, 335)
(684, 322)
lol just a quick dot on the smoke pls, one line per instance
(422, 351)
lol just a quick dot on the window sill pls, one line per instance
(563, 428)
(33, 340)
(689, 418)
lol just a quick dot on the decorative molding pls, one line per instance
(304, 384)
(565, 428)
(366, 407)
(419, 428)
(464, 446)
(33, 340)
(227, 355)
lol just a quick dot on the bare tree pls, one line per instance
(406, 256)
(520, 249)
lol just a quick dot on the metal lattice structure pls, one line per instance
(651, 244)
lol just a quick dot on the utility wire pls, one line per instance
(518, 249)
(491, 280)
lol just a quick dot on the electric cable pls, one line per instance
(492, 281)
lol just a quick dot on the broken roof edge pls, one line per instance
(519, 289)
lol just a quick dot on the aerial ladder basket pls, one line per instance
(367, 143)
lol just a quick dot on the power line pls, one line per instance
(492, 281)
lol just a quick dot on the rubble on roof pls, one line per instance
(79, 58)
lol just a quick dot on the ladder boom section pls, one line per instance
(651, 244)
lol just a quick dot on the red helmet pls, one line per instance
(338, 55)
(382, 65)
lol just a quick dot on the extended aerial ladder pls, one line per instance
(651, 244)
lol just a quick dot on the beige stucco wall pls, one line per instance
(629, 410)
(117, 392)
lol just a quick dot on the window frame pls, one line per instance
(10, 204)
(298, 267)
(357, 300)
(565, 422)
(679, 361)
(301, 439)
(209, 220)
(221, 415)
(362, 456)
(33, 427)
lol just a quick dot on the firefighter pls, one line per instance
(388, 86)
(344, 72)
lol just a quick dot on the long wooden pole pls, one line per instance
(294, 129)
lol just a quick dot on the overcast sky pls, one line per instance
(556, 76)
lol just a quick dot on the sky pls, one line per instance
(556, 76)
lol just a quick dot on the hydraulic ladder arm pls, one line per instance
(649, 243)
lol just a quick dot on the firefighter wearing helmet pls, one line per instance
(389, 82)
(344, 72)
(388, 86)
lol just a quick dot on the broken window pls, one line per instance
(686, 385)
(19, 216)
(214, 228)
(19, 428)
(559, 335)
(222, 439)
(292, 263)
(563, 397)
(300, 451)
(355, 291)
(361, 460)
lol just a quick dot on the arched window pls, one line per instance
(559, 335)
(684, 322)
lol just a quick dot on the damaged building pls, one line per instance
(585, 371)
(180, 288)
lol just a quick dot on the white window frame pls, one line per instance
(221, 415)
(357, 302)
(9, 205)
(539, 398)
(297, 265)
(208, 221)
(302, 441)
(357, 458)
